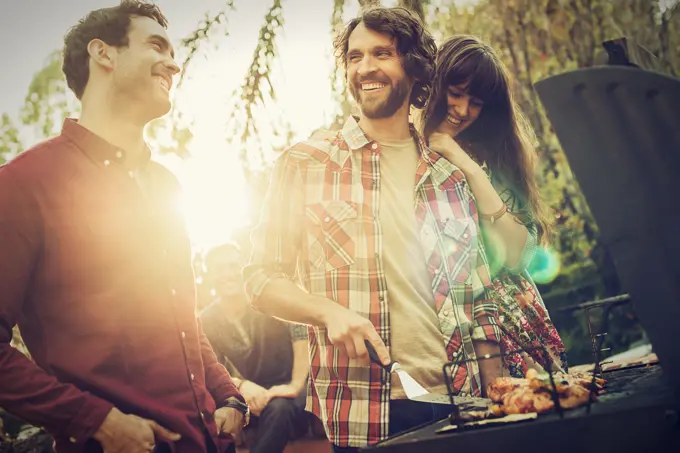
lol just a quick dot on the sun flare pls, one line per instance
(215, 199)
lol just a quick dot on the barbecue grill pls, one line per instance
(620, 130)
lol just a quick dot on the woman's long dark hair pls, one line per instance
(501, 136)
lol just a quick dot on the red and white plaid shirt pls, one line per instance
(320, 226)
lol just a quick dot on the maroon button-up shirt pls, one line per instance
(95, 268)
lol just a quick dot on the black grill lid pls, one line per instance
(620, 130)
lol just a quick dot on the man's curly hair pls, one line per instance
(111, 25)
(414, 43)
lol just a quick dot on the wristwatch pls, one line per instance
(239, 405)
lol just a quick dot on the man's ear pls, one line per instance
(101, 53)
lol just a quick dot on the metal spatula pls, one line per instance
(415, 391)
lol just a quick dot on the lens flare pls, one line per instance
(545, 266)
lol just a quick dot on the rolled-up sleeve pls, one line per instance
(277, 237)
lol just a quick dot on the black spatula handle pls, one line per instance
(374, 356)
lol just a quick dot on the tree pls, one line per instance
(10, 144)
(48, 101)
(540, 38)
(417, 6)
(366, 4)
(536, 39)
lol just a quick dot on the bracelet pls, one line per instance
(495, 216)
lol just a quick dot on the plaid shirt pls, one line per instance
(320, 226)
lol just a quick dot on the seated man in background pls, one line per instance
(266, 357)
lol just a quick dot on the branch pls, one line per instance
(251, 92)
(205, 30)
(416, 6)
(589, 44)
(664, 39)
(367, 4)
(337, 78)
(10, 143)
(538, 121)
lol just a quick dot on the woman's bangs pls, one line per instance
(483, 75)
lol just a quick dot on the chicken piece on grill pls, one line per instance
(563, 382)
(502, 385)
(576, 396)
(496, 409)
(586, 380)
(523, 400)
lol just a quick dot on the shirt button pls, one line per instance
(131, 174)
(455, 354)
(107, 163)
(465, 235)
(202, 416)
(381, 298)
(327, 219)
(374, 146)
(173, 292)
(192, 376)
(184, 335)
(119, 154)
(73, 440)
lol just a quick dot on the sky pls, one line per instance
(31, 29)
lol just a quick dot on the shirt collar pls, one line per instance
(353, 135)
(443, 173)
(99, 149)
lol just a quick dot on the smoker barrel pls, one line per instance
(618, 127)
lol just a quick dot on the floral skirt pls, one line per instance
(525, 324)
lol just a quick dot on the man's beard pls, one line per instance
(385, 108)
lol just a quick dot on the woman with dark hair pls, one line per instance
(473, 121)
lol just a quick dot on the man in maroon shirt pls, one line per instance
(95, 265)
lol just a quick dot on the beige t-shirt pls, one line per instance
(416, 340)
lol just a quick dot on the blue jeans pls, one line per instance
(406, 415)
(276, 424)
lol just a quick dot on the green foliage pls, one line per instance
(10, 144)
(338, 81)
(540, 38)
(170, 134)
(417, 6)
(207, 30)
(535, 38)
(48, 100)
(257, 89)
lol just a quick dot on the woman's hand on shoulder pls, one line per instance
(447, 147)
